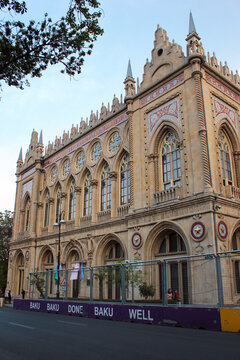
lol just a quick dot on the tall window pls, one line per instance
(105, 188)
(58, 204)
(27, 214)
(236, 261)
(171, 163)
(125, 180)
(87, 206)
(46, 211)
(171, 244)
(72, 201)
(225, 159)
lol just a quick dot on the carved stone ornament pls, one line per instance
(198, 231)
(27, 255)
(222, 230)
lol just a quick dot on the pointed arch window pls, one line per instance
(105, 188)
(80, 159)
(171, 161)
(27, 215)
(46, 211)
(58, 204)
(87, 206)
(72, 201)
(125, 180)
(226, 161)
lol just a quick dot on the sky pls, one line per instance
(54, 102)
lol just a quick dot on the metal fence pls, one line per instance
(205, 279)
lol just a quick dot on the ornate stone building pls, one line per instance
(153, 176)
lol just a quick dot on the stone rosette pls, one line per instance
(222, 230)
(198, 231)
(136, 240)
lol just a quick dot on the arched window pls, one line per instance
(226, 159)
(236, 263)
(48, 266)
(114, 251)
(125, 180)
(20, 269)
(170, 244)
(58, 204)
(27, 215)
(46, 211)
(105, 188)
(171, 163)
(72, 201)
(87, 206)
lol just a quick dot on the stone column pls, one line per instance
(202, 124)
(34, 218)
(51, 215)
(153, 176)
(94, 184)
(114, 193)
(40, 217)
(64, 204)
(236, 156)
(78, 205)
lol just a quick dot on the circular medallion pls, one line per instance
(222, 230)
(198, 231)
(136, 240)
(27, 255)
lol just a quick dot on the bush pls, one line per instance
(146, 290)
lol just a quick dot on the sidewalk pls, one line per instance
(7, 305)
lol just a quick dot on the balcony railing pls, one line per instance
(232, 192)
(104, 215)
(123, 209)
(170, 194)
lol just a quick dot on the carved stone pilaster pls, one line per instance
(202, 130)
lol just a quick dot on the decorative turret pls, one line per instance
(20, 161)
(35, 149)
(129, 82)
(194, 46)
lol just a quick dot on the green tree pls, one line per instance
(146, 290)
(28, 49)
(6, 223)
(38, 281)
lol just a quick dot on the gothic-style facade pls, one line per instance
(155, 174)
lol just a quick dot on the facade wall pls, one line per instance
(182, 100)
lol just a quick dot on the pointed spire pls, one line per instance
(20, 155)
(129, 70)
(40, 141)
(192, 28)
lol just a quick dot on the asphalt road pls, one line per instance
(29, 335)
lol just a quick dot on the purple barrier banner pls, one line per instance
(187, 317)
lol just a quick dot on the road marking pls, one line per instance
(21, 325)
(71, 323)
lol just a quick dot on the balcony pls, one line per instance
(123, 209)
(173, 193)
(231, 192)
(104, 215)
(86, 220)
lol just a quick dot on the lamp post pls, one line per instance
(58, 224)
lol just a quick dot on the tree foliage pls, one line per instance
(6, 222)
(28, 49)
(146, 290)
(38, 280)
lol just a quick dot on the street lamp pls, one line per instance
(60, 222)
